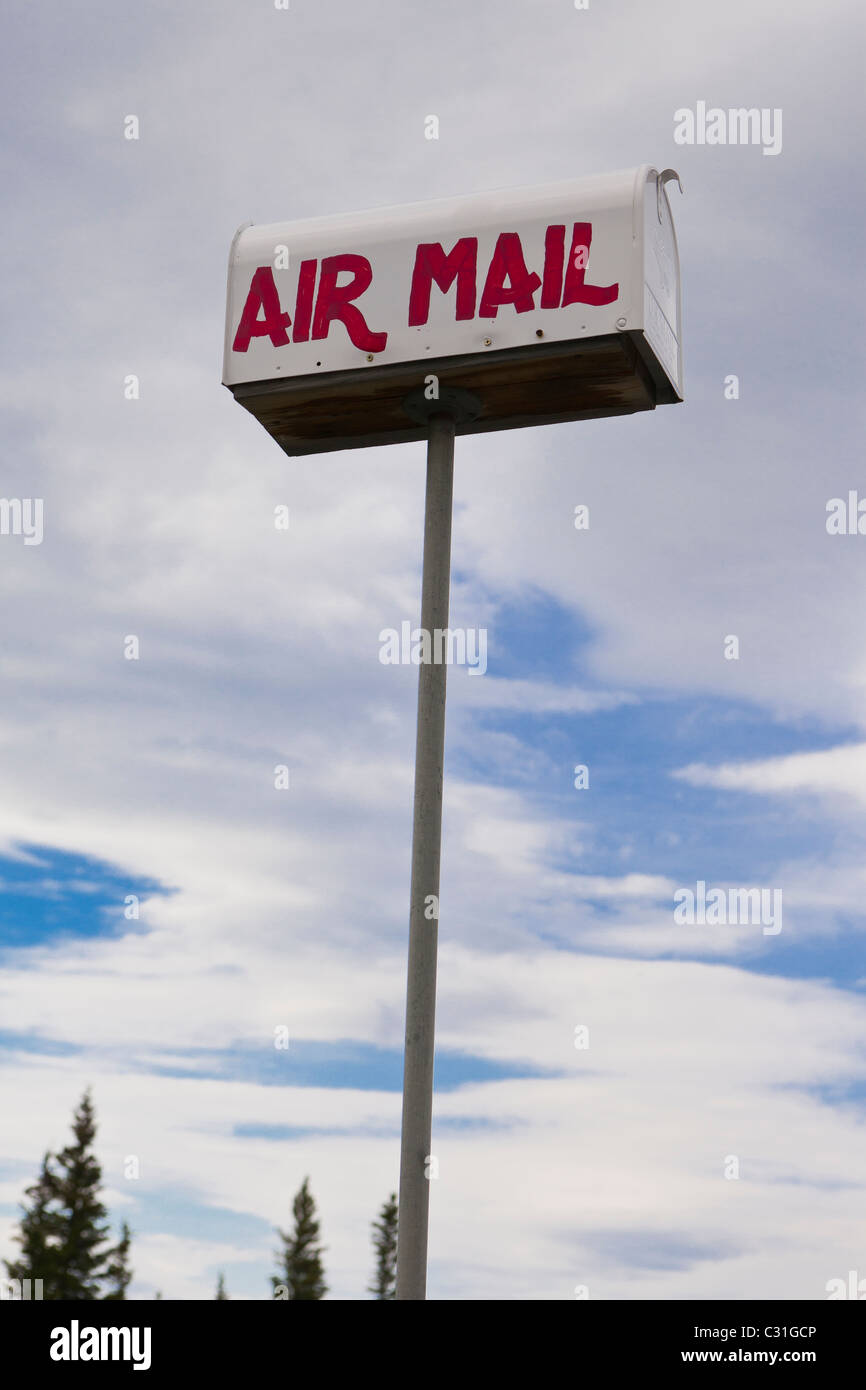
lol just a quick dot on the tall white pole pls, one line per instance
(414, 1200)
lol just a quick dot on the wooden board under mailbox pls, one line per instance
(544, 384)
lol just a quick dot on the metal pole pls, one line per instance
(414, 1201)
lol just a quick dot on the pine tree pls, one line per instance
(119, 1274)
(83, 1223)
(64, 1234)
(221, 1287)
(39, 1235)
(385, 1245)
(302, 1275)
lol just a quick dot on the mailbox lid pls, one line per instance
(661, 328)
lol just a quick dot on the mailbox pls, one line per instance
(547, 304)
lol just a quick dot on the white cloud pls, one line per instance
(625, 1141)
(831, 772)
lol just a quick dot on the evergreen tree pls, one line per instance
(221, 1287)
(64, 1234)
(39, 1235)
(302, 1275)
(384, 1283)
(119, 1274)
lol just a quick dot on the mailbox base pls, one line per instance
(542, 384)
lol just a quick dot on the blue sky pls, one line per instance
(262, 910)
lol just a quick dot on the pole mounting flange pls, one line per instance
(459, 405)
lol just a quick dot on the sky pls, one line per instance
(709, 1141)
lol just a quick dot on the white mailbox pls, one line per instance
(548, 304)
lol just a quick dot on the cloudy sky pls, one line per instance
(602, 1166)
